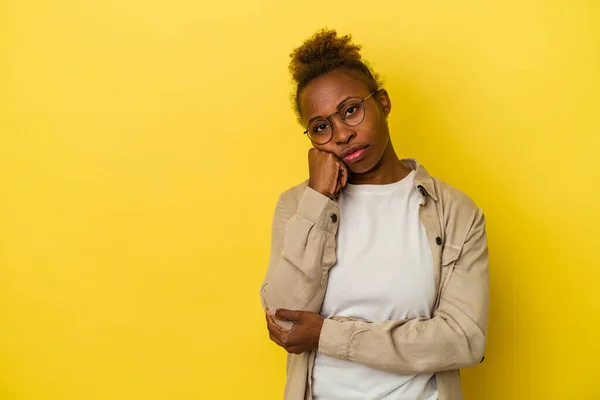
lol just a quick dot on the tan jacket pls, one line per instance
(303, 251)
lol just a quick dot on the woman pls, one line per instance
(377, 284)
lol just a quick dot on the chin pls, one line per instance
(363, 166)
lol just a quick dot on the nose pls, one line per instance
(342, 133)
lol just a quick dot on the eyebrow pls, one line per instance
(337, 109)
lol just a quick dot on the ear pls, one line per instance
(384, 101)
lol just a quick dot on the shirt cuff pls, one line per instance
(335, 338)
(319, 209)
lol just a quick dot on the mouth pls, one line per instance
(353, 153)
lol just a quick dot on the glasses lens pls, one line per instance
(320, 131)
(353, 112)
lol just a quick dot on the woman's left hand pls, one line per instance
(304, 334)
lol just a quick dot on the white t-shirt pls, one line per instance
(384, 271)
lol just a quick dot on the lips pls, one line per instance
(353, 153)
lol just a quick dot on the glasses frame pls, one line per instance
(341, 118)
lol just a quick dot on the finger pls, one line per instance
(275, 331)
(277, 334)
(276, 339)
(339, 185)
(274, 327)
(338, 188)
(344, 174)
(342, 178)
(288, 315)
(267, 319)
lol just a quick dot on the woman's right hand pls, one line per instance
(328, 174)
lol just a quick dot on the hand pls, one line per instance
(304, 334)
(328, 174)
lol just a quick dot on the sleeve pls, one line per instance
(453, 338)
(302, 253)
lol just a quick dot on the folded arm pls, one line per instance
(302, 253)
(453, 338)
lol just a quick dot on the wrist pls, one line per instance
(317, 332)
(324, 192)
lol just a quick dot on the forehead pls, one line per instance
(322, 96)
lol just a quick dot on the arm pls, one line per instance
(453, 338)
(302, 252)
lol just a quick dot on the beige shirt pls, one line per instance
(303, 251)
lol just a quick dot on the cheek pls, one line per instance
(374, 135)
(379, 131)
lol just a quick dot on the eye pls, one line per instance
(319, 127)
(351, 110)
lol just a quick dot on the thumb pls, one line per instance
(343, 174)
(287, 315)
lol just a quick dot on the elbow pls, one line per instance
(263, 301)
(471, 351)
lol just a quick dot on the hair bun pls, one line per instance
(322, 53)
(324, 47)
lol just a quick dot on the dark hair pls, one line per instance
(323, 53)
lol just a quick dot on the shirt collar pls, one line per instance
(422, 177)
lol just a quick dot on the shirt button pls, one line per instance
(438, 240)
(334, 218)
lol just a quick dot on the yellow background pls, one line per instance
(144, 143)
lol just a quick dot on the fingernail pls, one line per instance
(272, 312)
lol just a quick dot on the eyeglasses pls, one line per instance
(351, 112)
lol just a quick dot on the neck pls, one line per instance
(388, 170)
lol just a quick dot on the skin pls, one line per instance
(329, 174)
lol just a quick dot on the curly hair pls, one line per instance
(324, 52)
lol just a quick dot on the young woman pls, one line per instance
(377, 284)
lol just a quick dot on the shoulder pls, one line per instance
(453, 198)
(448, 198)
(459, 213)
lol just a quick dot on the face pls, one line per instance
(366, 141)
